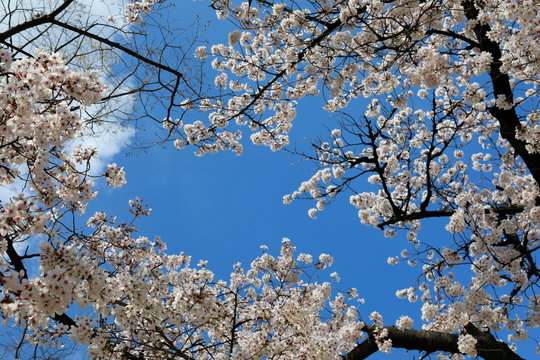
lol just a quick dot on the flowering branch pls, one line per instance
(429, 341)
(507, 116)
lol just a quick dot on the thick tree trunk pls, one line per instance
(508, 119)
(429, 341)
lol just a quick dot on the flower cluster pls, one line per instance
(37, 95)
(132, 283)
(135, 9)
(467, 345)
(115, 175)
(449, 130)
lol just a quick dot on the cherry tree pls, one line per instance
(98, 283)
(438, 101)
(52, 100)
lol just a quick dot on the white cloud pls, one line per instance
(109, 139)
(9, 191)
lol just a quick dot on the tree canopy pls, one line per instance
(439, 115)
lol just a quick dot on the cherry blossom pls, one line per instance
(447, 128)
(440, 118)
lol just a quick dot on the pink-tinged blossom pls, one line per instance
(467, 345)
(439, 136)
(404, 322)
(200, 52)
(326, 259)
(115, 175)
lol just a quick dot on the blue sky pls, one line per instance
(222, 207)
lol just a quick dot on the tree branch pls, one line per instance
(424, 214)
(429, 341)
(508, 119)
(118, 46)
(36, 21)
